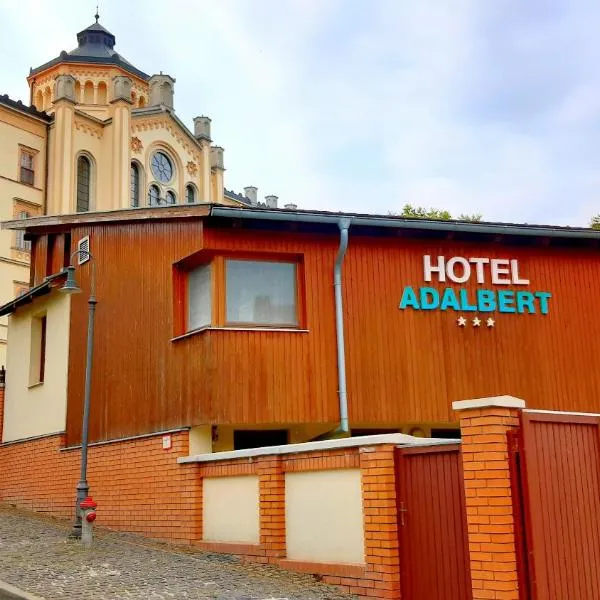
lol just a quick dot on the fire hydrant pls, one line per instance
(88, 516)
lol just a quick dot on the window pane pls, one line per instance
(199, 298)
(190, 194)
(83, 184)
(170, 198)
(262, 293)
(135, 185)
(27, 160)
(153, 196)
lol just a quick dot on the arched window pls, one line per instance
(47, 98)
(153, 196)
(102, 93)
(170, 197)
(23, 244)
(84, 174)
(190, 194)
(39, 100)
(135, 185)
(88, 93)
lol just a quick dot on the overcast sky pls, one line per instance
(489, 106)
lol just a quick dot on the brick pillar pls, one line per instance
(271, 482)
(382, 554)
(484, 424)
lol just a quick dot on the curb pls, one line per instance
(10, 592)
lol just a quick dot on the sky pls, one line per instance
(489, 107)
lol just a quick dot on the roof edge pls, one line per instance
(367, 220)
(35, 292)
(143, 213)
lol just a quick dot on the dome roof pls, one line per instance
(95, 44)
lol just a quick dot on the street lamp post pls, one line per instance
(71, 287)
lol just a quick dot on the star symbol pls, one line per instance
(461, 321)
(476, 322)
(490, 322)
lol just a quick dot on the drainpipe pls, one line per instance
(344, 225)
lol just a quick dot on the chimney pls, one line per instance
(251, 193)
(271, 201)
(202, 128)
(290, 206)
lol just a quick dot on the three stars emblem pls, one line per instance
(476, 322)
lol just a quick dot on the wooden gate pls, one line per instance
(559, 477)
(432, 532)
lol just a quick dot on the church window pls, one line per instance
(84, 172)
(162, 167)
(190, 194)
(135, 185)
(153, 196)
(170, 197)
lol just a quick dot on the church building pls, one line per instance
(100, 135)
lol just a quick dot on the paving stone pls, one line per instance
(36, 557)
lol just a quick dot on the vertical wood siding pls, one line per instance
(561, 461)
(402, 366)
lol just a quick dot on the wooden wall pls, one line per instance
(402, 366)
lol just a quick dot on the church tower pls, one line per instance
(115, 141)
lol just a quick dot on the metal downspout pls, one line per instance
(344, 225)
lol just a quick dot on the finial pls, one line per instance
(97, 15)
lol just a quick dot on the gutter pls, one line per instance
(406, 223)
(344, 428)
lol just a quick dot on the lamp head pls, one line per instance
(70, 286)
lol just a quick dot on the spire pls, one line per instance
(97, 16)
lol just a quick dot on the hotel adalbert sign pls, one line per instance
(493, 275)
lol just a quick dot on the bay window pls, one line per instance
(240, 292)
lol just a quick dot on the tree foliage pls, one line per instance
(595, 223)
(418, 212)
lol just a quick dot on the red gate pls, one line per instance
(559, 464)
(432, 524)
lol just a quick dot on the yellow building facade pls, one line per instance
(100, 134)
(23, 160)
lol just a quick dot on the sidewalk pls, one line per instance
(35, 557)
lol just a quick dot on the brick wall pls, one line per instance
(379, 577)
(139, 486)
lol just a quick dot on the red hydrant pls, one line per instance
(88, 516)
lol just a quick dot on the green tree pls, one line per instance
(595, 223)
(418, 212)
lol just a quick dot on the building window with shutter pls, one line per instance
(26, 167)
(84, 183)
(21, 243)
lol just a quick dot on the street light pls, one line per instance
(71, 287)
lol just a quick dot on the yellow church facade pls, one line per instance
(99, 135)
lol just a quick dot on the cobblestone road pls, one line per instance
(35, 556)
